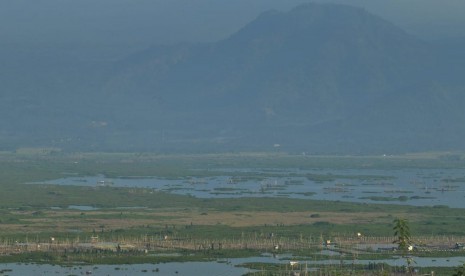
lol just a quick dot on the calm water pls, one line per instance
(175, 269)
(226, 267)
(420, 187)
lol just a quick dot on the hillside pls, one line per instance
(319, 78)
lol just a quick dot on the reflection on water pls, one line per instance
(402, 186)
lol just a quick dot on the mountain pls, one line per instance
(319, 78)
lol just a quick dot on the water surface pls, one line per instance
(419, 187)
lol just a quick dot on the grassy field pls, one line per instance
(36, 212)
(29, 205)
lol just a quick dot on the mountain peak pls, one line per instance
(324, 7)
(321, 21)
(313, 77)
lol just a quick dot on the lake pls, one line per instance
(419, 187)
(223, 267)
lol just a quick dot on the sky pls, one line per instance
(149, 22)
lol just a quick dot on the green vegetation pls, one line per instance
(402, 234)
(331, 177)
(386, 198)
(133, 257)
(32, 213)
(372, 269)
(403, 240)
(460, 271)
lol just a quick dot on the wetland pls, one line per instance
(215, 210)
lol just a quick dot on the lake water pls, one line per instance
(420, 187)
(175, 269)
(227, 267)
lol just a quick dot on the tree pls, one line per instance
(402, 234)
(403, 240)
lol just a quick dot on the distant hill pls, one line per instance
(320, 78)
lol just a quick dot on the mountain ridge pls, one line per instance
(321, 78)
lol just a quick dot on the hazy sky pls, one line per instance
(171, 21)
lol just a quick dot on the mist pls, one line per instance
(228, 75)
(146, 22)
